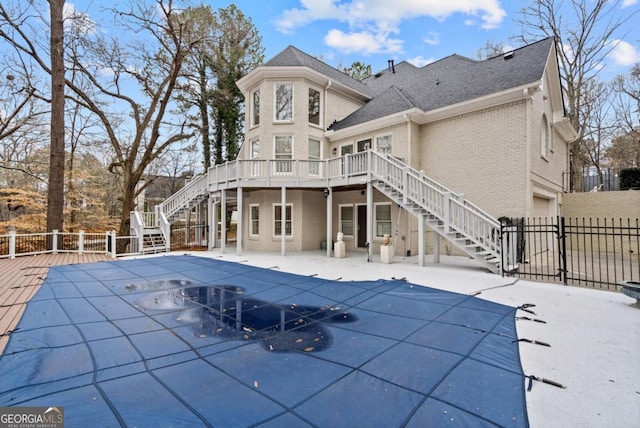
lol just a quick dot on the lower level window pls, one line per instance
(255, 220)
(383, 219)
(277, 220)
(346, 220)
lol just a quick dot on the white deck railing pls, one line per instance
(457, 214)
(15, 244)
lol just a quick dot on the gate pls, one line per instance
(597, 253)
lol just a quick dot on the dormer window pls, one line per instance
(314, 106)
(284, 102)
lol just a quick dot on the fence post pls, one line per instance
(113, 244)
(54, 247)
(81, 242)
(12, 242)
(562, 244)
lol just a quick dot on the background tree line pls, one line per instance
(152, 78)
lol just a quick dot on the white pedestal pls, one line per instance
(339, 250)
(386, 254)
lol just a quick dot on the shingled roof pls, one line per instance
(449, 81)
(294, 57)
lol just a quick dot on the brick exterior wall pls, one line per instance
(467, 155)
(616, 205)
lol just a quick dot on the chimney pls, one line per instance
(392, 68)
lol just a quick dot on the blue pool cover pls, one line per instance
(190, 341)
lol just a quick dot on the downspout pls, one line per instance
(409, 159)
(324, 116)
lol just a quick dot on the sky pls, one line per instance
(372, 32)
(419, 31)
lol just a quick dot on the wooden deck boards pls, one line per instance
(20, 279)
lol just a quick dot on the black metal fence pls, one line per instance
(597, 253)
(191, 236)
(592, 180)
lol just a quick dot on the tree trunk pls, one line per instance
(55, 190)
(204, 118)
(128, 205)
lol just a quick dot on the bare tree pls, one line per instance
(625, 150)
(150, 65)
(599, 125)
(583, 43)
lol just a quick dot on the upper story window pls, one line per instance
(545, 137)
(255, 108)
(284, 102)
(314, 155)
(364, 145)
(255, 149)
(383, 144)
(346, 149)
(283, 153)
(314, 106)
(255, 154)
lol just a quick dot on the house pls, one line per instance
(416, 153)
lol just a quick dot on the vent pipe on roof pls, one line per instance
(508, 55)
(392, 68)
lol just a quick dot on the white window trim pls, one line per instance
(320, 113)
(375, 219)
(353, 220)
(273, 218)
(275, 103)
(251, 220)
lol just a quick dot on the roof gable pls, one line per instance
(452, 80)
(294, 57)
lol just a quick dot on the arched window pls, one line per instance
(545, 137)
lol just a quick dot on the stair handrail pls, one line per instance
(192, 189)
(164, 226)
(454, 211)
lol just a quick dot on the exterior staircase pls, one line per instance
(153, 241)
(464, 225)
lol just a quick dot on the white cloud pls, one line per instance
(624, 53)
(311, 10)
(628, 3)
(420, 61)
(363, 42)
(80, 21)
(376, 20)
(432, 39)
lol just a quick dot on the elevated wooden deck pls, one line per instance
(20, 279)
